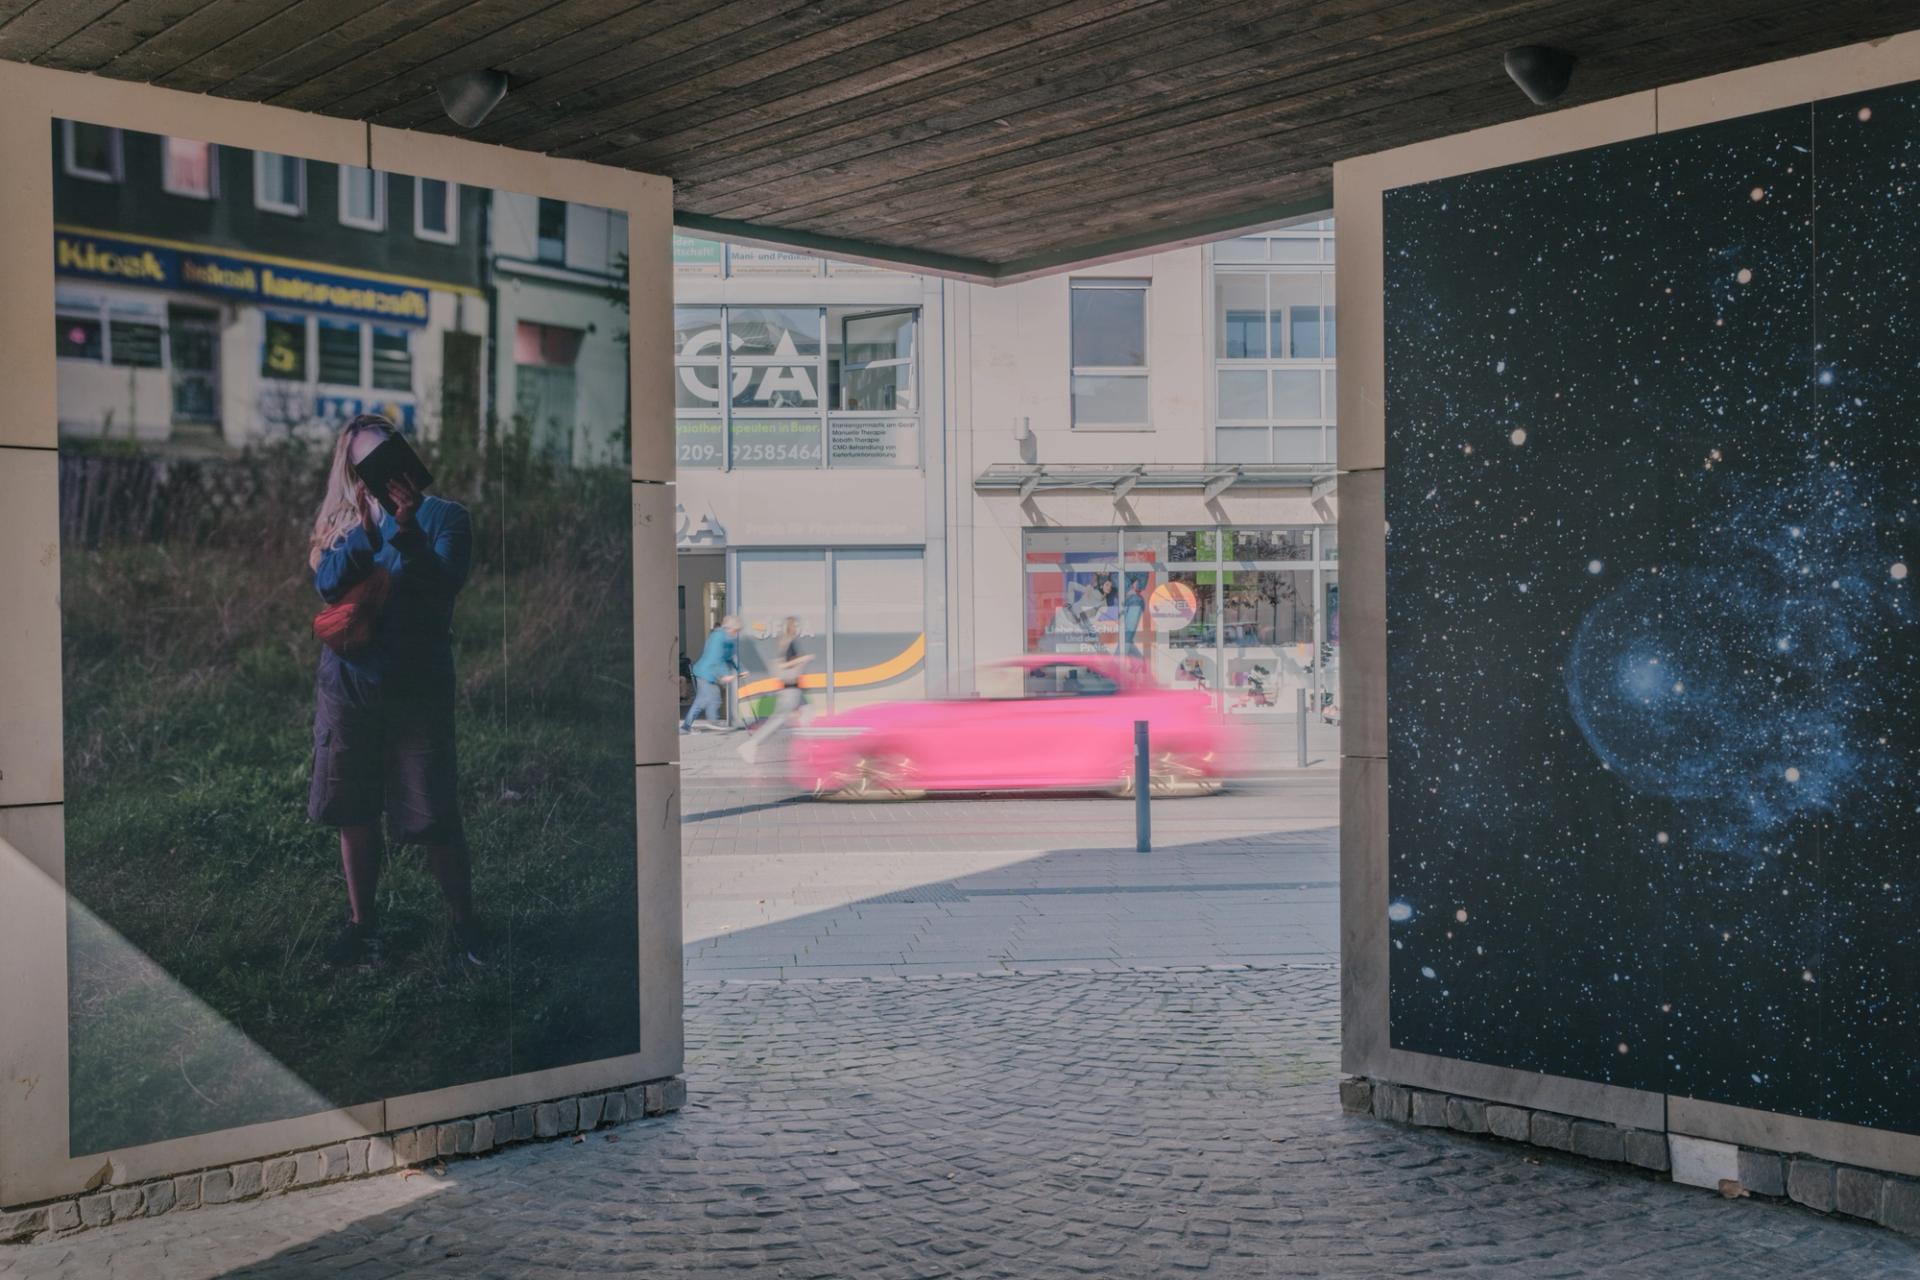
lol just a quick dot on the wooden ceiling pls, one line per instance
(990, 138)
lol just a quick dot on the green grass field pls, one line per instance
(201, 895)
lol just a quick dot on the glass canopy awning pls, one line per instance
(1213, 479)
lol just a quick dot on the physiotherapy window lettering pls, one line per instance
(95, 257)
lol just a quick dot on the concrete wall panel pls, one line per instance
(30, 755)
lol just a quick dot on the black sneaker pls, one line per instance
(355, 944)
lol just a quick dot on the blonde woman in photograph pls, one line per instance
(383, 725)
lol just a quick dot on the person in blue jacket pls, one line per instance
(719, 663)
(383, 732)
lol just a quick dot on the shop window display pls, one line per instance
(1245, 614)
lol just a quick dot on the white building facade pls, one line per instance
(933, 477)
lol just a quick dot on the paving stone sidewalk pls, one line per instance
(1119, 1125)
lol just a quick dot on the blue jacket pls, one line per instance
(719, 657)
(428, 564)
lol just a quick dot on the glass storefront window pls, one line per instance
(862, 622)
(774, 331)
(1244, 613)
(697, 442)
(284, 353)
(1273, 544)
(776, 386)
(340, 353)
(788, 385)
(878, 626)
(775, 586)
(776, 442)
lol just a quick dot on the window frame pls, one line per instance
(1143, 285)
(213, 170)
(1276, 323)
(541, 202)
(116, 158)
(377, 221)
(318, 326)
(452, 208)
(728, 368)
(298, 206)
(373, 332)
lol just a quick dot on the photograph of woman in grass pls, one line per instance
(383, 732)
(347, 637)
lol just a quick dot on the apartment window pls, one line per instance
(434, 210)
(551, 244)
(187, 168)
(91, 151)
(363, 198)
(1109, 319)
(392, 360)
(1274, 347)
(279, 183)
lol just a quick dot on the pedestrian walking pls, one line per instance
(719, 664)
(787, 667)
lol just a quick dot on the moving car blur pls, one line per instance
(1041, 723)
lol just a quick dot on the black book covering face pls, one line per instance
(390, 460)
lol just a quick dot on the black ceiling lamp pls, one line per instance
(1541, 72)
(469, 96)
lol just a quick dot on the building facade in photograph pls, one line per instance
(1136, 458)
(559, 273)
(214, 296)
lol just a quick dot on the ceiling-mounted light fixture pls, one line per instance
(1541, 72)
(468, 97)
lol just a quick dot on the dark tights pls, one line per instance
(361, 853)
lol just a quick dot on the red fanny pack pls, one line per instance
(346, 626)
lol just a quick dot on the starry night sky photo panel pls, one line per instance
(1650, 461)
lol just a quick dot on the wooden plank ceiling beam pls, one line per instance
(990, 139)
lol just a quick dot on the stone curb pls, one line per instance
(1820, 1185)
(374, 1154)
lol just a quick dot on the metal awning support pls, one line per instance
(1121, 479)
(1220, 484)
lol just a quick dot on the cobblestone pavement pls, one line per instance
(989, 1053)
(1033, 1126)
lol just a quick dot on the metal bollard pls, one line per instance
(1142, 791)
(1300, 714)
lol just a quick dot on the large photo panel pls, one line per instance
(1651, 636)
(347, 633)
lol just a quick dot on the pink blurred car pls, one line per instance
(1049, 723)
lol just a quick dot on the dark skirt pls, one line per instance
(385, 747)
